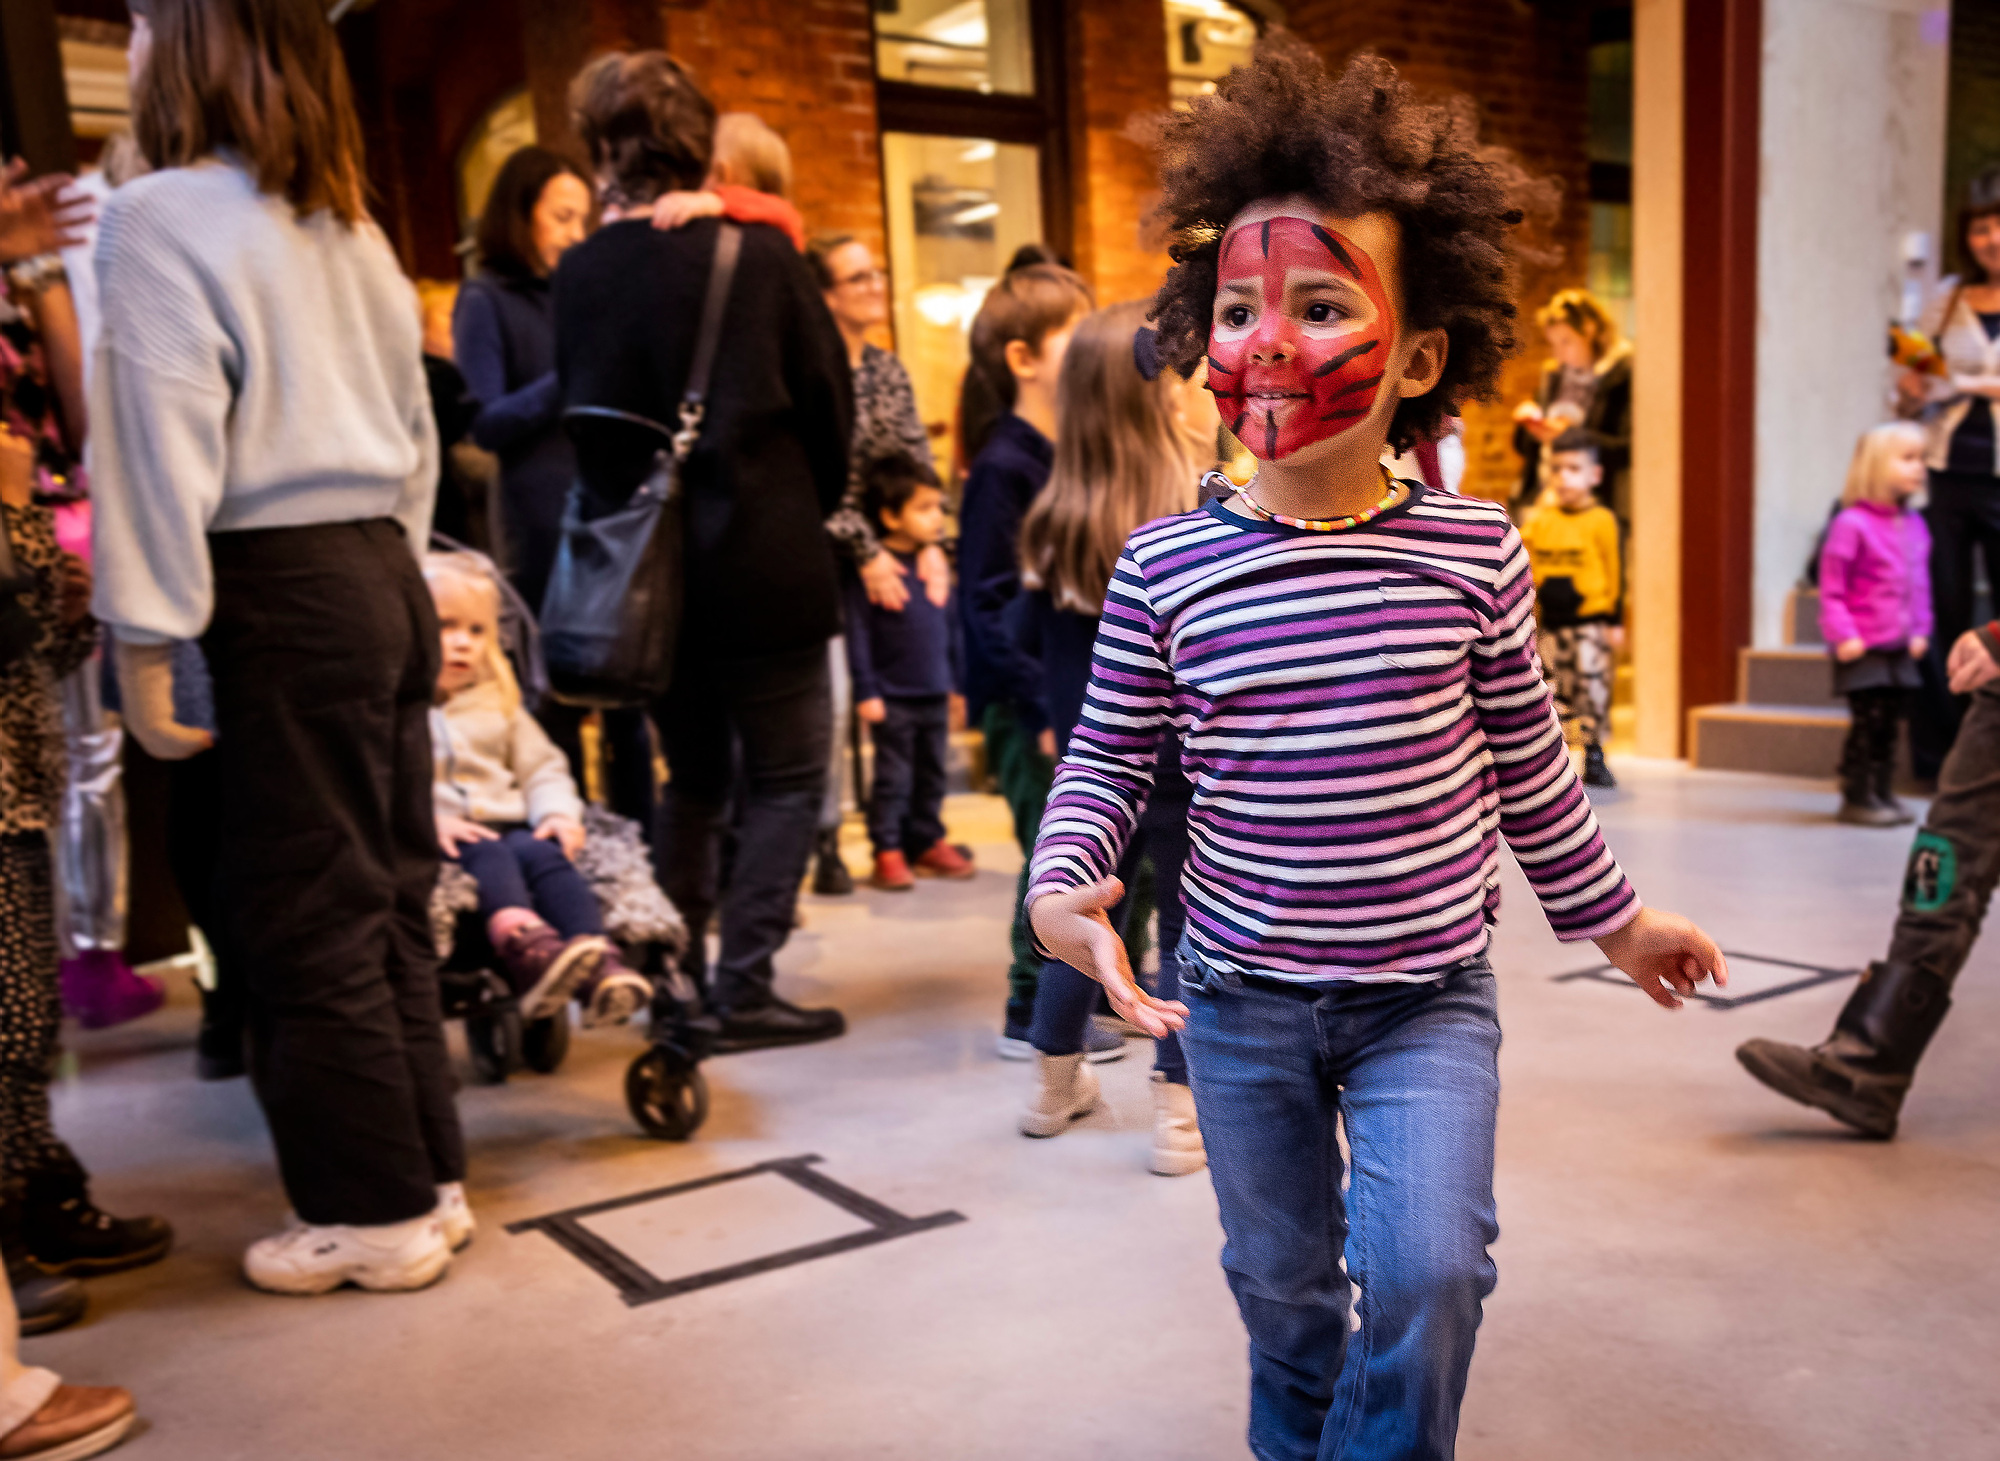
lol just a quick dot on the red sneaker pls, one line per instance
(943, 860)
(892, 873)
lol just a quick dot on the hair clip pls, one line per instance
(1146, 351)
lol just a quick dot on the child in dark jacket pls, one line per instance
(905, 665)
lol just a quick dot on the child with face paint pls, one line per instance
(1349, 663)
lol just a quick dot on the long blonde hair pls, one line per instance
(755, 155)
(1120, 461)
(1868, 473)
(1585, 313)
(469, 572)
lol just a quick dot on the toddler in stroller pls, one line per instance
(509, 814)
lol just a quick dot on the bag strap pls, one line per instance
(694, 400)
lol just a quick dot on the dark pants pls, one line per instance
(1870, 749)
(627, 748)
(324, 648)
(1023, 774)
(1963, 514)
(777, 712)
(30, 1014)
(1065, 998)
(904, 801)
(1955, 861)
(521, 870)
(1409, 1074)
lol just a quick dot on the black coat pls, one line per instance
(771, 461)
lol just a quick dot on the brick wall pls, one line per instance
(1118, 70)
(806, 67)
(1527, 67)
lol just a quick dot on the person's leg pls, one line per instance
(779, 708)
(1420, 1091)
(930, 751)
(1023, 774)
(1267, 1114)
(1593, 680)
(311, 649)
(628, 766)
(30, 1015)
(894, 738)
(556, 890)
(1553, 647)
(695, 737)
(1951, 515)
(1854, 751)
(23, 1389)
(841, 685)
(1165, 827)
(1861, 1073)
(493, 866)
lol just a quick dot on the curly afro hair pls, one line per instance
(1357, 143)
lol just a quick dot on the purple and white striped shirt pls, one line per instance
(1362, 714)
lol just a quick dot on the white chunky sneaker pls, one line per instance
(619, 995)
(1065, 1089)
(317, 1259)
(1177, 1148)
(456, 1214)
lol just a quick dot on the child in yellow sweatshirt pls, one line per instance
(1573, 551)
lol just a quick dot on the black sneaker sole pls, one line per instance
(1807, 1093)
(87, 1267)
(738, 1045)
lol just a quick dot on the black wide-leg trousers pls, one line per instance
(324, 650)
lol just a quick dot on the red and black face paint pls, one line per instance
(1284, 380)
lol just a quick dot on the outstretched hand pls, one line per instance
(1075, 926)
(35, 217)
(1665, 955)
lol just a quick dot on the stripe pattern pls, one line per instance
(1363, 717)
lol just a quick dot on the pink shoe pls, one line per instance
(102, 990)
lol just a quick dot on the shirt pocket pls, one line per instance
(1427, 627)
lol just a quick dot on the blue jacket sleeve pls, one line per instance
(860, 652)
(990, 578)
(506, 419)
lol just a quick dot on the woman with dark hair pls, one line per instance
(768, 467)
(263, 490)
(1586, 386)
(504, 330)
(1963, 454)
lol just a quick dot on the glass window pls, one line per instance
(958, 208)
(969, 45)
(503, 131)
(1206, 40)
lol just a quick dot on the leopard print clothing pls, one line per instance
(885, 420)
(30, 1012)
(32, 747)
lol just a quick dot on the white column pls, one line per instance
(1655, 558)
(1852, 161)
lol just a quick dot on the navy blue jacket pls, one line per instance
(504, 336)
(1008, 473)
(908, 655)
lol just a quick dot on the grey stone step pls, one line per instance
(1782, 740)
(1796, 676)
(1802, 616)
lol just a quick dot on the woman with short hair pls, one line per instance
(263, 465)
(769, 465)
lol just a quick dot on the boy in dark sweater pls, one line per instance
(905, 666)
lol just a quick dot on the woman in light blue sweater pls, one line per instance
(263, 465)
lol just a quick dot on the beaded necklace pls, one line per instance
(1328, 525)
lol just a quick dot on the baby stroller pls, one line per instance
(664, 1087)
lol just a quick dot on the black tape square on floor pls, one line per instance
(1812, 977)
(638, 1284)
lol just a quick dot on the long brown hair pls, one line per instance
(264, 78)
(1120, 462)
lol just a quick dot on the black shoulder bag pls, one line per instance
(611, 618)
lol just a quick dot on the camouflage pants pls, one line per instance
(1955, 861)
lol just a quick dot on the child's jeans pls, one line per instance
(1065, 997)
(1412, 1071)
(908, 792)
(521, 870)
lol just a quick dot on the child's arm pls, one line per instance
(861, 651)
(1922, 621)
(1836, 622)
(555, 810)
(1100, 789)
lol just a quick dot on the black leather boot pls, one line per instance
(831, 879)
(218, 1044)
(1595, 772)
(68, 1235)
(1861, 1072)
(1882, 779)
(1858, 806)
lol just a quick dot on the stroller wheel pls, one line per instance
(667, 1094)
(494, 1041)
(545, 1042)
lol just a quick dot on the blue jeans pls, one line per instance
(521, 870)
(912, 744)
(1411, 1070)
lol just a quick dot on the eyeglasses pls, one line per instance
(867, 278)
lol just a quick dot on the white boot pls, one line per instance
(317, 1259)
(456, 1214)
(1065, 1088)
(1177, 1148)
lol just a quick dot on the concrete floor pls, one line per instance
(1689, 1266)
